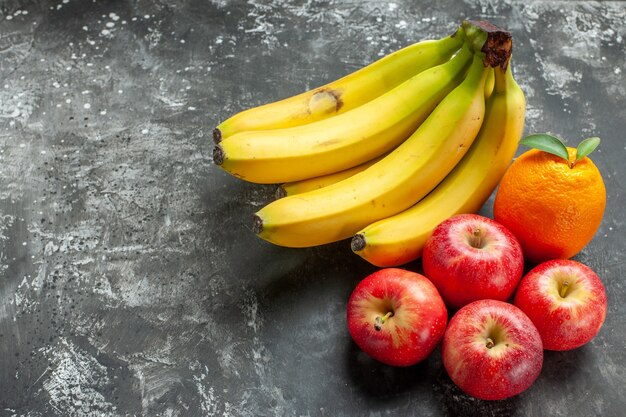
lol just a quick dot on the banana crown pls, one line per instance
(494, 42)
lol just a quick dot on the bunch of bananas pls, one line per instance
(386, 153)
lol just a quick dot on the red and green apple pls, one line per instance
(470, 257)
(396, 316)
(492, 350)
(566, 300)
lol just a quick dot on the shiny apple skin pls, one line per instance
(568, 322)
(418, 322)
(506, 369)
(464, 273)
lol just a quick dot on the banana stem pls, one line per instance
(459, 34)
(280, 192)
(503, 78)
(477, 72)
(494, 42)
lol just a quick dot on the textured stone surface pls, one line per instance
(130, 282)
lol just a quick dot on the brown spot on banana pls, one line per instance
(325, 101)
(328, 142)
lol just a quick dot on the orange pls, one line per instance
(553, 209)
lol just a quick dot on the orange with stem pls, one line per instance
(552, 198)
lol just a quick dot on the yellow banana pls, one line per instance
(346, 93)
(399, 239)
(391, 185)
(299, 187)
(343, 141)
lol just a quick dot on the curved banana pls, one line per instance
(346, 93)
(399, 239)
(343, 141)
(391, 185)
(299, 187)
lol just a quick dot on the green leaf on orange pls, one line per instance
(546, 143)
(586, 147)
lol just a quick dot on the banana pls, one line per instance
(391, 185)
(346, 93)
(399, 239)
(489, 85)
(299, 187)
(343, 141)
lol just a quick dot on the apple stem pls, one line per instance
(490, 343)
(476, 241)
(378, 323)
(564, 287)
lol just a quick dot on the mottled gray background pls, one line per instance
(130, 282)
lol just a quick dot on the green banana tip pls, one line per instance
(257, 224)
(218, 155)
(217, 135)
(459, 33)
(357, 243)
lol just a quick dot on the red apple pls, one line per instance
(470, 257)
(566, 301)
(492, 350)
(396, 316)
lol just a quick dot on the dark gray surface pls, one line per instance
(130, 282)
